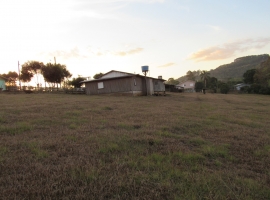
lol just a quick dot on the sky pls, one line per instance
(170, 36)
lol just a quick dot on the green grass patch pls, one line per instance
(107, 108)
(265, 151)
(110, 147)
(84, 175)
(197, 141)
(73, 126)
(165, 133)
(17, 128)
(36, 150)
(3, 151)
(125, 126)
(75, 113)
(214, 151)
(2, 119)
(71, 138)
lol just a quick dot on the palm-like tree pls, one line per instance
(204, 76)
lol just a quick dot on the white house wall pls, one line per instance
(187, 84)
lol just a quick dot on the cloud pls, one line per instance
(129, 52)
(103, 9)
(215, 28)
(118, 1)
(166, 65)
(228, 50)
(73, 53)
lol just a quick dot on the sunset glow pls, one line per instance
(171, 36)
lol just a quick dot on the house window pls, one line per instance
(135, 82)
(100, 85)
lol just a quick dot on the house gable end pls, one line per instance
(113, 74)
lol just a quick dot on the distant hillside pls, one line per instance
(236, 69)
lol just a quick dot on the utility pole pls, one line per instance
(19, 75)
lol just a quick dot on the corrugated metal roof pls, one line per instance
(118, 77)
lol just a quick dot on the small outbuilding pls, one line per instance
(125, 83)
(2, 83)
(187, 86)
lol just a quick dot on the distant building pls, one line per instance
(2, 83)
(172, 88)
(240, 85)
(187, 86)
(125, 83)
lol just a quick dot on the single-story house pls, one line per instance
(240, 85)
(2, 83)
(187, 86)
(125, 83)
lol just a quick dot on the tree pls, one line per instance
(26, 76)
(224, 88)
(213, 82)
(198, 86)
(190, 75)
(262, 75)
(11, 78)
(55, 73)
(31, 69)
(204, 76)
(97, 76)
(172, 81)
(248, 76)
(76, 82)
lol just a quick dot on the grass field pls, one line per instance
(181, 146)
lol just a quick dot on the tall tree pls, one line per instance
(190, 75)
(31, 69)
(213, 83)
(248, 76)
(172, 81)
(55, 73)
(204, 76)
(198, 86)
(262, 75)
(26, 76)
(11, 78)
(97, 76)
(76, 82)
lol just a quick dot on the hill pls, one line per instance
(236, 69)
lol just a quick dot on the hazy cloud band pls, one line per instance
(228, 50)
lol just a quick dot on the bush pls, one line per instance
(264, 90)
(255, 88)
(198, 86)
(246, 89)
(224, 88)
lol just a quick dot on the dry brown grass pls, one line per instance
(182, 146)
